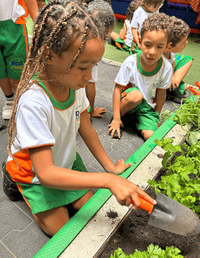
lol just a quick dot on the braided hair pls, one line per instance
(57, 26)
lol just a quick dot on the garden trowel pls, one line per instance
(171, 216)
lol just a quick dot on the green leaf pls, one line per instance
(152, 252)
(192, 137)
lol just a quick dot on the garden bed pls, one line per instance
(135, 233)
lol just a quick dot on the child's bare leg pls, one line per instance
(51, 221)
(14, 84)
(114, 36)
(146, 134)
(130, 101)
(6, 86)
(78, 204)
(90, 93)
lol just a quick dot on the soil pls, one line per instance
(135, 233)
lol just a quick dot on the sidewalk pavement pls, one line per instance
(20, 235)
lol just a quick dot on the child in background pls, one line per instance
(101, 13)
(49, 109)
(145, 9)
(13, 45)
(124, 39)
(149, 74)
(180, 63)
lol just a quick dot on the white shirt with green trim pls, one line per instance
(42, 121)
(94, 74)
(138, 18)
(172, 57)
(147, 82)
(129, 36)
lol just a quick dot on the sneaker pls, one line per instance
(9, 186)
(7, 110)
(176, 96)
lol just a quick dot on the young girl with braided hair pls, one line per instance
(49, 110)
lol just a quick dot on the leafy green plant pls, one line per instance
(152, 252)
(189, 114)
(182, 179)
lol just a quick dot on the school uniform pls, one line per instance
(147, 83)
(13, 38)
(43, 121)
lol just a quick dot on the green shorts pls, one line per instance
(121, 45)
(146, 118)
(180, 61)
(40, 198)
(13, 49)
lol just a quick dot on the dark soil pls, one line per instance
(134, 233)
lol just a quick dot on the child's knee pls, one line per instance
(146, 134)
(134, 97)
(51, 221)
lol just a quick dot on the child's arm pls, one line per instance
(92, 141)
(160, 99)
(135, 36)
(116, 123)
(66, 179)
(32, 8)
(123, 32)
(174, 82)
(90, 93)
(180, 73)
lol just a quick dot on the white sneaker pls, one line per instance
(7, 110)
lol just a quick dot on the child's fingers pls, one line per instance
(121, 167)
(142, 193)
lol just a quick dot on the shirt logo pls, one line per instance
(156, 85)
(77, 115)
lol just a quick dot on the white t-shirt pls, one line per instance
(94, 74)
(172, 57)
(147, 82)
(42, 121)
(138, 18)
(10, 10)
(129, 36)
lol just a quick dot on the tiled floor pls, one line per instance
(20, 235)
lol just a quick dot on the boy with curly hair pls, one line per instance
(180, 63)
(150, 75)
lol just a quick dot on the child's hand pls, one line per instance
(115, 126)
(123, 190)
(174, 84)
(98, 112)
(120, 167)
